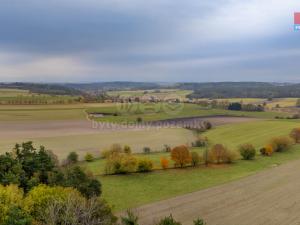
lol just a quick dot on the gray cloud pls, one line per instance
(159, 40)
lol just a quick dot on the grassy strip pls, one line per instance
(157, 112)
(127, 191)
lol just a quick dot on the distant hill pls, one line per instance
(51, 89)
(241, 90)
(116, 86)
(200, 90)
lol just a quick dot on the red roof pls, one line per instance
(297, 18)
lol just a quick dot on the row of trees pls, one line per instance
(121, 161)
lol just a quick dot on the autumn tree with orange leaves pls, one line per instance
(181, 156)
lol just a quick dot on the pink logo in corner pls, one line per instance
(297, 21)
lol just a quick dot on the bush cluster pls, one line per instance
(281, 144)
(122, 163)
(131, 219)
(89, 157)
(267, 150)
(220, 154)
(51, 205)
(295, 135)
(247, 151)
(144, 165)
(200, 142)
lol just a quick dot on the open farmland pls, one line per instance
(25, 97)
(271, 197)
(62, 144)
(6, 92)
(129, 191)
(160, 93)
(163, 111)
(164, 184)
(256, 133)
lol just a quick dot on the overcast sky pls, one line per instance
(143, 40)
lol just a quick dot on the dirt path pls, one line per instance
(271, 197)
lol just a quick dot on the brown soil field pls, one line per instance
(271, 197)
(37, 129)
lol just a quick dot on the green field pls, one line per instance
(125, 191)
(24, 97)
(161, 93)
(5, 92)
(47, 112)
(162, 111)
(256, 133)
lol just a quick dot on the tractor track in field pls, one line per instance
(271, 197)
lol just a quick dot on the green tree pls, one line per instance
(195, 158)
(75, 177)
(17, 216)
(72, 158)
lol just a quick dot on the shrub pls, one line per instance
(57, 205)
(127, 149)
(181, 156)
(235, 106)
(200, 142)
(164, 162)
(120, 164)
(130, 218)
(116, 148)
(17, 216)
(295, 135)
(199, 222)
(10, 196)
(139, 119)
(167, 148)
(72, 158)
(169, 221)
(231, 156)
(207, 125)
(144, 165)
(41, 196)
(146, 150)
(281, 144)
(220, 154)
(105, 153)
(267, 150)
(247, 151)
(195, 158)
(89, 157)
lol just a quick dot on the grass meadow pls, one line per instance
(128, 191)
(160, 111)
(125, 191)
